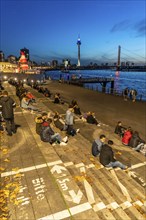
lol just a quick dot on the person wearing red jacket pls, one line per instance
(127, 136)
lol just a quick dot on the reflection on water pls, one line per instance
(135, 80)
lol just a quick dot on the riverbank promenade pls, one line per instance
(44, 182)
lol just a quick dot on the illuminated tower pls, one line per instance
(79, 43)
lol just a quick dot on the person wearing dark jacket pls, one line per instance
(58, 121)
(91, 118)
(119, 129)
(39, 121)
(107, 158)
(7, 105)
(135, 140)
(48, 135)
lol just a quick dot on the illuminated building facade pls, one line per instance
(26, 53)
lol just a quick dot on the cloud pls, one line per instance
(121, 26)
(140, 28)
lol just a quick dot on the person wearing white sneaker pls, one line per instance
(69, 121)
(62, 144)
(78, 130)
(48, 135)
(65, 139)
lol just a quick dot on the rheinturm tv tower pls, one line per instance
(79, 43)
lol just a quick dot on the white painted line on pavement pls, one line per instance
(68, 164)
(54, 163)
(31, 168)
(89, 192)
(82, 170)
(126, 205)
(137, 165)
(90, 166)
(80, 208)
(113, 205)
(66, 213)
(86, 206)
(123, 188)
(99, 206)
(80, 165)
(139, 203)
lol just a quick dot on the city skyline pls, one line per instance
(50, 29)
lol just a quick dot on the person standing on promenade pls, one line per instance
(133, 94)
(107, 158)
(125, 94)
(69, 121)
(7, 106)
(97, 145)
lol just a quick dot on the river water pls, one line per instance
(132, 80)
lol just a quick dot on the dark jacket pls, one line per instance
(135, 140)
(46, 134)
(7, 105)
(106, 155)
(39, 121)
(58, 123)
(119, 130)
(91, 120)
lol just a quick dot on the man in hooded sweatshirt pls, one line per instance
(107, 157)
(7, 106)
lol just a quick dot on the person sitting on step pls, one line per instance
(47, 134)
(76, 107)
(58, 121)
(91, 118)
(119, 129)
(107, 157)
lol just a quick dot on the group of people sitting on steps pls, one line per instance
(105, 153)
(44, 90)
(44, 127)
(26, 98)
(130, 138)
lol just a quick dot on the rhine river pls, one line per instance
(132, 80)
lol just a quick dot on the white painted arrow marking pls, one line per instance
(58, 169)
(76, 198)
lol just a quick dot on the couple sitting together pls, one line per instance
(47, 134)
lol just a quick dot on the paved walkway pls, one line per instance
(65, 182)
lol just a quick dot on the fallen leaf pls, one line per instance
(91, 159)
(18, 175)
(6, 160)
(15, 169)
(2, 169)
(5, 151)
(118, 153)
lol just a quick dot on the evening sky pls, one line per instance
(50, 29)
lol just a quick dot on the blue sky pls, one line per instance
(49, 29)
